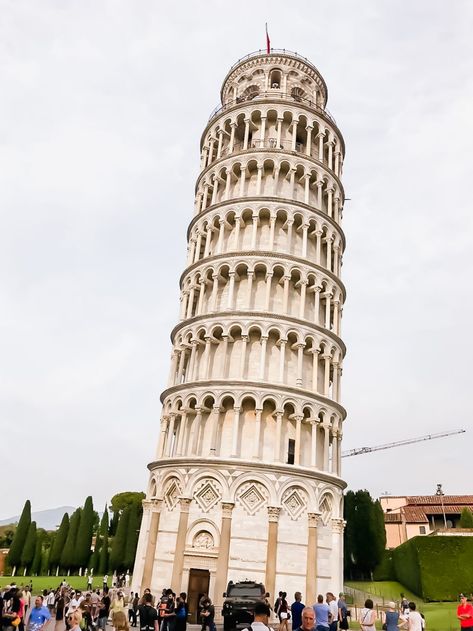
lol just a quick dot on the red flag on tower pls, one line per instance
(268, 43)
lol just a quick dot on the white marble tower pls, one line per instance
(246, 481)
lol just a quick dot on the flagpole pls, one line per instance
(268, 42)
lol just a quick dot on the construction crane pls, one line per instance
(399, 443)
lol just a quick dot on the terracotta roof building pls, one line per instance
(408, 516)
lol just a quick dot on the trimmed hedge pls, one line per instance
(385, 570)
(435, 568)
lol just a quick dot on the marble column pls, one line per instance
(311, 571)
(223, 552)
(154, 506)
(180, 544)
(272, 550)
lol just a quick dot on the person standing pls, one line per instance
(127, 579)
(465, 613)
(148, 614)
(342, 612)
(391, 617)
(414, 621)
(90, 581)
(332, 603)
(208, 615)
(39, 615)
(322, 614)
(105, 582)
(296, 610)
(182, 611)
(104, 610)
(283, 612)
(261, 617)
(50, 601)
(368, 616)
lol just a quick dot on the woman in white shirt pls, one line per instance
(368, 616)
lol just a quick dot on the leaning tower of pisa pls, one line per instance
(246, 481)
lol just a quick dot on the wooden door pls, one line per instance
(199, 581)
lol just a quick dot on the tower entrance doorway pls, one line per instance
(199, 581)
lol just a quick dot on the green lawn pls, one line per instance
(438, 616)
(46, 582)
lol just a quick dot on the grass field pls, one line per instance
(46, 582)
(438, 616)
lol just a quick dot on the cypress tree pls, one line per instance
(102, 531)
(27, 554)
(84, 535)
(117, 555)
(112, 529)
(103, 560)
(21, 533)
(466, 518)
(68, 556)
(38, 553)
(132, 537)
(58, 544)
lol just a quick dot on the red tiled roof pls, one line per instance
(414, 515)
(420, 500)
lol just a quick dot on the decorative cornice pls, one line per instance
(240, 465)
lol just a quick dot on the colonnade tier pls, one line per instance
(263, 174)
(307, 363)
(263, 287)
(280, 127)
(281, 430)
(266, 230)
(237, 324)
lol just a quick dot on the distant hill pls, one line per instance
(47, 519)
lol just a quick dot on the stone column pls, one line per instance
(162, 436)
(154, 506)
(338, 526)
(247, 134)
(297, 446)
(308, 146)
(315, 369)
(180, 544)
(182, 432)
(223, 553)
(256, 448)
(311, 571)
(195, 429)
(272, 550)
(214, 430)
(172, 421)
(244, 342)
(249, 290)
(282, 360)
(313, 446)
(277, 444)
(232, 137)
(235, 431)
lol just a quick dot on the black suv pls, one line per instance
(239, 603)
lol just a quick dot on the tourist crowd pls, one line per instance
(71, 610)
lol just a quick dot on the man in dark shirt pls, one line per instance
(296, 610)
(104, 610)
(148, 615)
(208, 615)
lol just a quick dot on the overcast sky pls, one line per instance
(102, 108)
